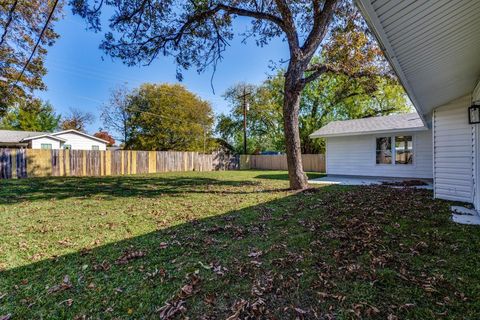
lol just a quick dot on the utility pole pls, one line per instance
(245, 109)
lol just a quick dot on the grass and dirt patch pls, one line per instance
(234, 245)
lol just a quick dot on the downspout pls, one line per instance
(476, 150)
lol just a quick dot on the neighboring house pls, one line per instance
(68, 139)
(434, 48)
(391, 146)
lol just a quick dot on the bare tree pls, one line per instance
(77, 120)
(115, 115)
(197, 32)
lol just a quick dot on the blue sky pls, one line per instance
(80, 75)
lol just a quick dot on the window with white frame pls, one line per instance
(46, 146)
(95, 148)
(401, 150)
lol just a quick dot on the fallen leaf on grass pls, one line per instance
(256, 263)
(210, 299)
(104, 266)
(176, 304)
(171, 309)
(300, 311)
(68, 302)
(67, 242)
(163, 245)
(255, 254)
(243, 309)
(65, 285)
(129, 256)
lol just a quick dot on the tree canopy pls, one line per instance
(105, 136)
(169, 117)
(34, 115)
(21, 59)
(77, 119)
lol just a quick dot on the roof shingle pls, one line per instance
(396, 122)
(13, 136)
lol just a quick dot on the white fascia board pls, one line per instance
(51, 136)
(80, 134)
(376, 27)
(346, 134)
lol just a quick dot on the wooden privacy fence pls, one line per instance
(311, 162)
(22, 163)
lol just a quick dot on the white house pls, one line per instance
(434, 48)
(67, 139)
(391, 146)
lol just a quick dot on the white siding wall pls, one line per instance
(37, 143)
(454, 151)
(355, 155)
(79, 142)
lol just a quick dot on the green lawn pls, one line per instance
(232, 244)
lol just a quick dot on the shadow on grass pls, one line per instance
(284, 176)
(93, 284)
(13, 191)
(316, 253)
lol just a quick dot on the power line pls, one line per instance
(38, 42)
(179, 121)
(10, 18)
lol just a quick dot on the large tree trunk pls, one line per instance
(291, 106)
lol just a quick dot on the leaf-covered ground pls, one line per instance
(231, 245)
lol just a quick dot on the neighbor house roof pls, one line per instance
(13, 136)
(16, 137)
(45, 135)
(392, 123)
(79, 133)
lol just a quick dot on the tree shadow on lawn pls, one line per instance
(331, 252)
(13, 191)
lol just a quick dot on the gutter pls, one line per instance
(363, 133)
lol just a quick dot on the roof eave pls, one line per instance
(362, 133)
(375, 26)
(82, 134)
(43, 136)
(20, 144)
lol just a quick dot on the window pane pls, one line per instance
(403, 150)
(384, 150)
(46, 146)
(384, 143)
(94, 147)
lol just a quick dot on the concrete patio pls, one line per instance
(366, 181)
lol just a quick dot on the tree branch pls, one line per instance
(321, 18)
(201, 16)
(290, 29)
(319, 69)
